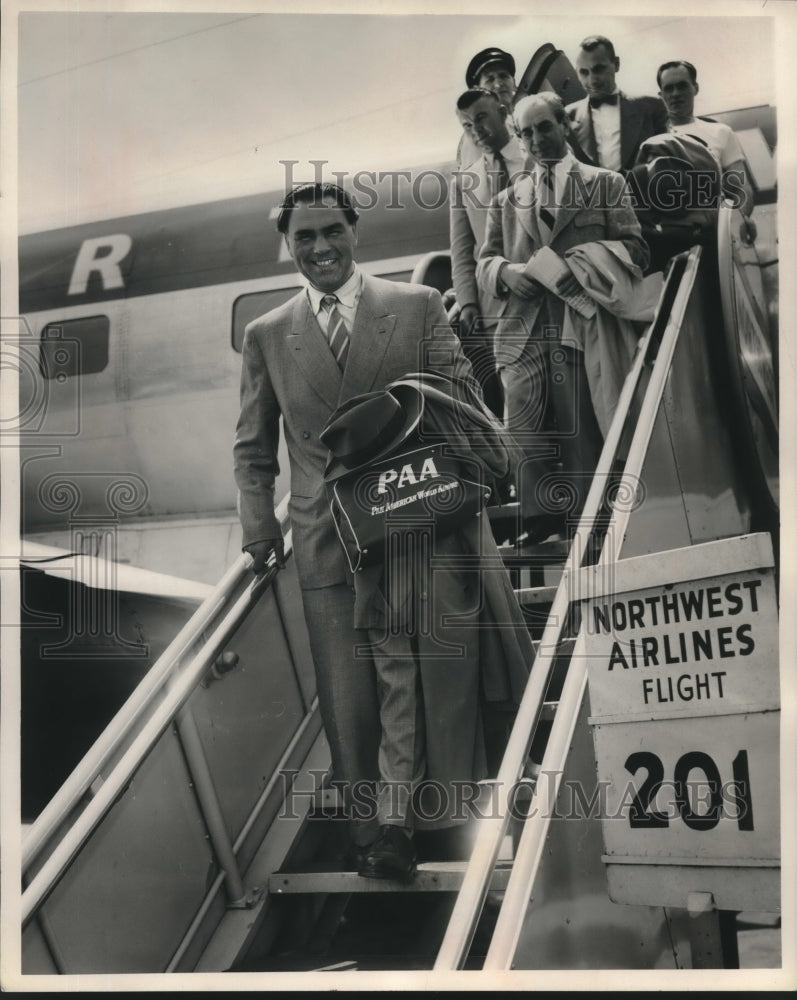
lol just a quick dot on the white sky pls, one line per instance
(124, 112)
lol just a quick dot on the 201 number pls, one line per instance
(642, 816)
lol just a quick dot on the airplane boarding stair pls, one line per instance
(201, 831)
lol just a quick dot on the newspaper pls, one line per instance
(547, 267)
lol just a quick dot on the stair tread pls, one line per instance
(432, 876)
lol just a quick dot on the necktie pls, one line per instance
(499, 174)
(595, 102)
(545, 196)
(337, 334)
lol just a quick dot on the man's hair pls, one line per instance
(308, 194)
(473, 94)
(591, 42)
(548, 97)
(674, 64)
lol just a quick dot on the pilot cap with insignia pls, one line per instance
(484, 58)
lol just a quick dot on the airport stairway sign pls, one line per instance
(684, 696)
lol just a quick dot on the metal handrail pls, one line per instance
(120, 726)
(182, 688)
(491, 830)
(527, 858)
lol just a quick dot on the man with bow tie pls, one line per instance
(484, 122)
(567, 207)
(607, 125)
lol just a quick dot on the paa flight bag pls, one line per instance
(417, 489)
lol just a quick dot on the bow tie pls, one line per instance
(595, 102)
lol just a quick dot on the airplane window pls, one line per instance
(249, 307)
(74, 347)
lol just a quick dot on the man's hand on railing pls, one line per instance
(260, 551)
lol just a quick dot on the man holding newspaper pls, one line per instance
(565, 252)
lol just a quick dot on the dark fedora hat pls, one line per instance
(484, 58)
(369, 427)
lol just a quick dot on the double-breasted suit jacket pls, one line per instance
(594, 206)
(289, 372)
(640, 118)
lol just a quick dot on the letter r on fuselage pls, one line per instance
(103, 255)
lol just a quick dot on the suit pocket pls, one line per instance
(591, 218)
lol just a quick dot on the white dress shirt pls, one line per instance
(606, 129)
(348, 297)
(560, 171)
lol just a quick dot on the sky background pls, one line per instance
(126, 112)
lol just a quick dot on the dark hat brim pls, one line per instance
(483, 59)
(406, 416)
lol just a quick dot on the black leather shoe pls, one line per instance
(391, 856)
(353, 857)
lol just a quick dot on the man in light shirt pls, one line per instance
(678, 88)
(607, 125)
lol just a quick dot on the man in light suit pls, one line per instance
(484, 122)
(608, 126)
(347, 334)
(491, 69)
(561, 204)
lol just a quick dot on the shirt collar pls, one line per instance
(348, 293)
(561, 167)
(512, 151)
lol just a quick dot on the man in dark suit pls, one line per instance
(562, 204)
(608, 126)
(344, 335)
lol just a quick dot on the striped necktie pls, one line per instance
(337, 334)
(545, 196)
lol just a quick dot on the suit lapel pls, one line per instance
(311, 353)
(373, 329)
(630, 127)
(572, 202)
(525, 200)
(585, 134)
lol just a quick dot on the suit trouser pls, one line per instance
(548, 409)
(371, 710)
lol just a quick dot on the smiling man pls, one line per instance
(608, 125)
(393, 717)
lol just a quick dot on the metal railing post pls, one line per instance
(470, 900)
(527, 859)
(209, 804)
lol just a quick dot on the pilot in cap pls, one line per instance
(484, 58)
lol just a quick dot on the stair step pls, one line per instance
(432, 876)
(530, 596)
(548, 712)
